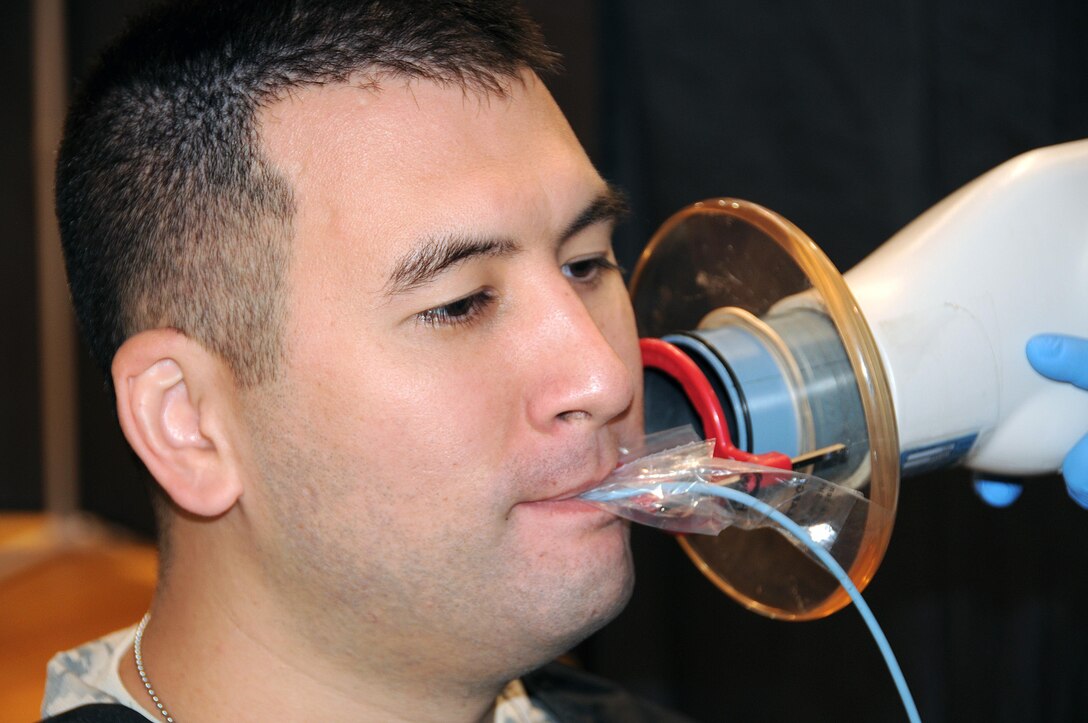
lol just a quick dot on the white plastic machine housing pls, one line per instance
(952, 299)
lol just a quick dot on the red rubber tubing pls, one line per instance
(670, 360)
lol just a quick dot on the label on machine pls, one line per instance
(937, 455)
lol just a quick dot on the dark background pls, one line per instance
(20, 447)
(850, 119)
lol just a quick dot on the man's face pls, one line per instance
(461, 361)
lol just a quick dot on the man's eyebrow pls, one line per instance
(435, 255)
(609, 205)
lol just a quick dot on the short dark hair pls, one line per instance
(170, 215)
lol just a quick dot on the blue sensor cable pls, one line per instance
(821, 554)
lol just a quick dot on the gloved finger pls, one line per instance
(1060, 357)
(1075, 471)
(998, 493)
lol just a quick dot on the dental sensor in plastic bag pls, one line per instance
(685, 489)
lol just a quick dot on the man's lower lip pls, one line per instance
(568, 505)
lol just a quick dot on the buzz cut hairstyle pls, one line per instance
(170, 214)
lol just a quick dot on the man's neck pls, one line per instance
(206, 655)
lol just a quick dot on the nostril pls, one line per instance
(573, 415)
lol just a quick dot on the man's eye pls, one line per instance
(460, 312)
(589, 269)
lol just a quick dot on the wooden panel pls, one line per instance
(82, 588)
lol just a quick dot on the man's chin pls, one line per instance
(589, 598)
(563, 637)
(552, 604)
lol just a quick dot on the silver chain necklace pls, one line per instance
(140, 668)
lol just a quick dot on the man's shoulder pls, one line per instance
(574, 695)
(86, 675)
(98, 713)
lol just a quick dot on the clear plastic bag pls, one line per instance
(666, 488)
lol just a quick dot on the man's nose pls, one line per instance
(578, 373)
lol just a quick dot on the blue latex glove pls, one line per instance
(997, 492)
(1063, 359)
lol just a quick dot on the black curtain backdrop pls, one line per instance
(851, 119)
(20, 418)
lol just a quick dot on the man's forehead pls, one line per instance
(380, 108)
(359, 143)
(313, 119)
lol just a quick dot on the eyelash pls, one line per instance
(597, 265)
(462, 312)
(470, 309)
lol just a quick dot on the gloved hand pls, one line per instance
(1063, 359)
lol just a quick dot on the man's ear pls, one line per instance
(176, 403)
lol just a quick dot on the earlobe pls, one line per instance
(174, 404)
